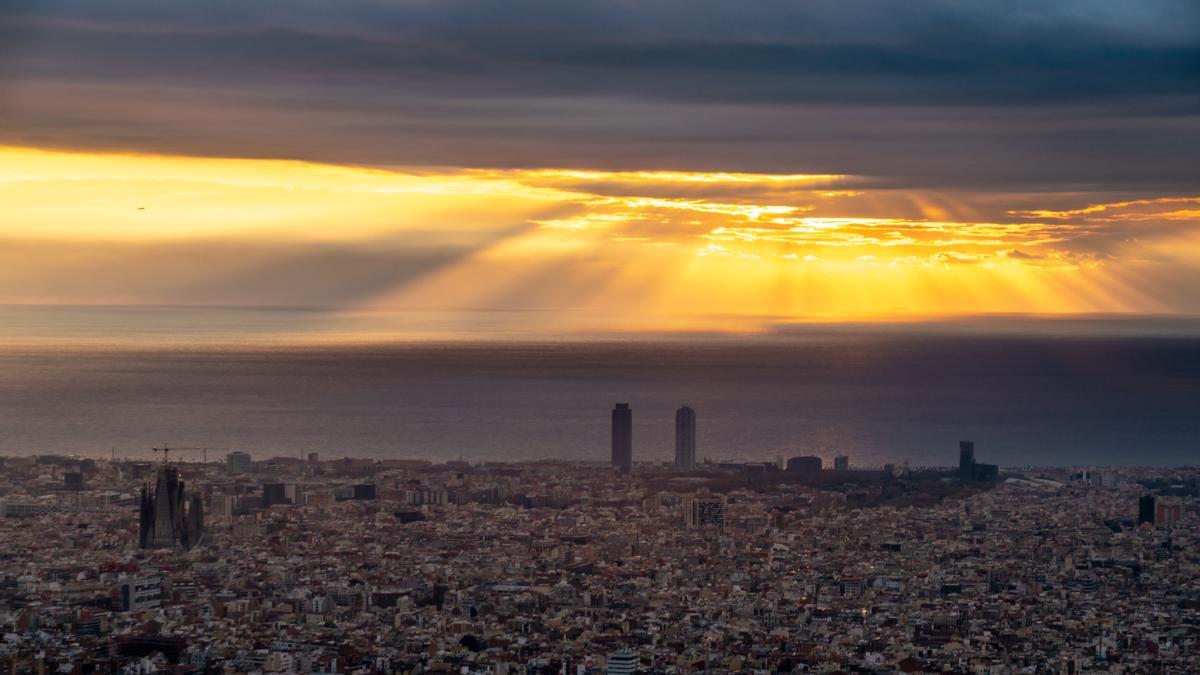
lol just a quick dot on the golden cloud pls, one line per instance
(649, 242)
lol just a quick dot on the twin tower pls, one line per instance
(622, 437)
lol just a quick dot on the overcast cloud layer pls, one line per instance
(1085, 95)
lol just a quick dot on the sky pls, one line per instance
(670, 165)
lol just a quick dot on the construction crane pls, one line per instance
(167, 450)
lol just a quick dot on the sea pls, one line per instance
(498, 386)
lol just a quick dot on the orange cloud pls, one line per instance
(650, 247)
(1101, 208)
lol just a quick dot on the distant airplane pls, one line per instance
(141, 208)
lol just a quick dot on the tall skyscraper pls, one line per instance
(1146, 509)
(841, 463)
(966, 460)
(622, 437)
(685, 438)
(164, 522)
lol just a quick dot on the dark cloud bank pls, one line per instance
(1038, 95)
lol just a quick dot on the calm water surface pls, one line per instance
(879, 395)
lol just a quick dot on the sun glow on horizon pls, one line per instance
(651, 246)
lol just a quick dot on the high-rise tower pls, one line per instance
(1146, 509)
(685, 438)
(966, 460)
(622, 437)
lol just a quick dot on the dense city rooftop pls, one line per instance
(396, 566)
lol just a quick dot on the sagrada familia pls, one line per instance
(164, 523)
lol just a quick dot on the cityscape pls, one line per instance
(345, 565)
(586, 337)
